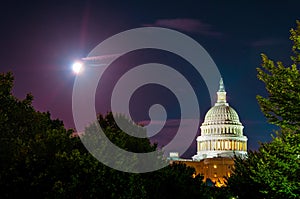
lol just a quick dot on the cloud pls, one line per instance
(101, 60)
(101, 57)
(187, 25)
(267, 42)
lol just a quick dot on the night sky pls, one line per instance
(41, 40)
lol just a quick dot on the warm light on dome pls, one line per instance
(77, 67)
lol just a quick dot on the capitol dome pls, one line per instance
(222, 114)
(221, 131)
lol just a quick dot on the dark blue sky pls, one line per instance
(40, 40)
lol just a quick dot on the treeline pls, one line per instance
(41, 159)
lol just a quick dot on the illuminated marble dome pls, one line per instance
(221, 131)
(222, 114)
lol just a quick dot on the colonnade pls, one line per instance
(237, 130)
(211, 145)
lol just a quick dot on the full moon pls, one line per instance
(77, 67)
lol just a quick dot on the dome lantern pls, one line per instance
(221, 94)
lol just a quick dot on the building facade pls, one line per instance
(221, 138)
